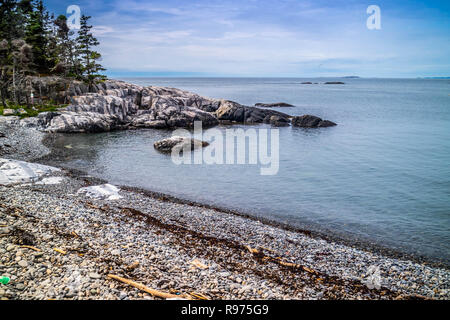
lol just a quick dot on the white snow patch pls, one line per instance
(101, 192)
(20, 172)
(51, 180)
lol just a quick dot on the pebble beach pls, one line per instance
(58, 242)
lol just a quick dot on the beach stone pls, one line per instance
(123, 295)
(20, 286)
(94, 275)
(23, 263)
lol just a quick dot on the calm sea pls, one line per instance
(382, 175)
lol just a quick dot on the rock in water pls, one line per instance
(273, 105)
(309, 121)
(181, 143)
(234, 112)
(276, 121)
(334, 82)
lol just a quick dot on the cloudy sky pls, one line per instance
(279, 38)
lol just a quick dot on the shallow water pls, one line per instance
(382, 175)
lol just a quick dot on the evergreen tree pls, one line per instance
(4, 71)
(86, 42)
(37, 35)
(33, 42)
(68, 62)
(10, 18)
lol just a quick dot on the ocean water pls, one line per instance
(381, 176)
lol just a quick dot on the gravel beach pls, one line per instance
(59, 243)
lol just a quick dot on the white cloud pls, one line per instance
(249, 39)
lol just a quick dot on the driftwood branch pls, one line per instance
(153, 292)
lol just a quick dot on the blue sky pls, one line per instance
(279, 38)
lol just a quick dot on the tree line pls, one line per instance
(33, 42)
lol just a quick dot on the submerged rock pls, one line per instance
(273, 105)
(309, 121)
(181, 143)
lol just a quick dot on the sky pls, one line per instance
(262, 38)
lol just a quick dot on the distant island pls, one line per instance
(435, 78)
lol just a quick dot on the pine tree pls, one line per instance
(37, 35)
(67, 62)
(4, 71)
(10, 20)
(86, 42)
(33, 42)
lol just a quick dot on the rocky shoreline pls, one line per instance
(117, 105)
(59, 243)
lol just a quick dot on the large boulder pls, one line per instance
(234, 112)
(181, 143)
(309, 121)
